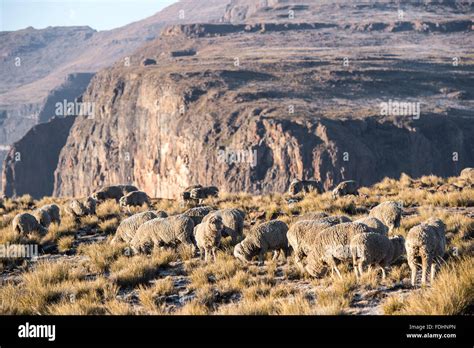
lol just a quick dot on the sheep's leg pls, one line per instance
(202, 252)
(412, 265)
(287, 253)
(337, 271)
(261, 258)
(276, 254)
(214, 254)
(384, 275)
(356, 270)
(425, 265)
(361, 268)
(433, 271)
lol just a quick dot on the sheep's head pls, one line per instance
(215, 223)
(295, 187)
(98, 196)
(123, 201)
(318, 270)
(90, 204)
(241, 253)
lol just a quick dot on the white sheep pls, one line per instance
(301, 235)
(233, 220)
(113, 192)
(332, 245)
(169, 231)
(128, 227)
(48, 214)
(269, 236)
(304, 186)
(78, 209)
(370, 249)
(134, 199)
(389, 213)
(208, 236)
(25, 223)
(345, 188)
(428, 242)
(375, 224)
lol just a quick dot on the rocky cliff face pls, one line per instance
(30, 163)
(241, 148)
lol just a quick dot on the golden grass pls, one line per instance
(65, 243)
(108, 209)
(109, 226)
(452, 292)
(101, 255)
(139, 269)
(149, 296)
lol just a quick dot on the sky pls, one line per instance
(97, 14)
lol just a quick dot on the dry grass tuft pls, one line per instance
(452, 292)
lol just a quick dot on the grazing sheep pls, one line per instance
(370, 249)
(126, 189)
(375, 224)
(42, 216)
(233, 220)
(208, 235)
(428, 242)
(169, 231)
(113, 192)
(25, 223)
(78, 209)
(389, 212)
(200, 193)
(128, 227)
(48, 214)
(135, 199)
(269, 236)
(304, 186)
(313, 215)
(186, 195)
(331, 245)
(345, 188)
(301, 235)
(198, 213)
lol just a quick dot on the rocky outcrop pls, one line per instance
(30, 163)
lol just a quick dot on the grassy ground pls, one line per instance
(78, 271)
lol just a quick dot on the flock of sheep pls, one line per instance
(319, 242)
